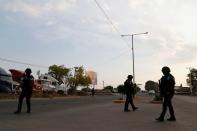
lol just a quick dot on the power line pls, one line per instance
(23, 63)
(110, 21)
(105, 14)
(115, 28)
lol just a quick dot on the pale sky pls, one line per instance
(76, 32)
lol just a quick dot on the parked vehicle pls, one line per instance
(51, 84)
(6, 82)
(48, 82)
(62, 89)
(151, 92)
(5, 86)
(46, 85)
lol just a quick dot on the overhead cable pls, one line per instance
(110, 21)
(23, 63)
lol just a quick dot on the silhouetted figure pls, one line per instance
(166, 86)
(129, 91)
(93, 92)
(26, 86)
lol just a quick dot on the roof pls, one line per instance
(3, 72)
(48, 77)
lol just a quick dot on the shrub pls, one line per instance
(87, 89)
(60, 92)
(72, 91)
(157, 98)
(82, 93)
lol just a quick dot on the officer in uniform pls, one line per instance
(26, 86)
(129, 91)
(166, 86)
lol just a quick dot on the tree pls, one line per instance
(136, 88)
(79, 77)
(73, 77)
(151, 85)
(120, 89)
(59, 72)
(86, 81)
(110, 88)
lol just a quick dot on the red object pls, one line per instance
(37, 87)
(16, 76)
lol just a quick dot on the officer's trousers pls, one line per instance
(28, 102)
(167, 103)
(129, 99)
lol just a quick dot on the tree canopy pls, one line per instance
(109, 88)
(59, 72)
(80, 78)
(72, 76)
(120, 89)
(151, 85)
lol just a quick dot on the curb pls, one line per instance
(119, 101)
(156, 102)
(47, 98)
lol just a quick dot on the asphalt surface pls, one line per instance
(97, 113)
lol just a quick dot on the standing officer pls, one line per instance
(166, 85)
(129, 91)
(26, 85)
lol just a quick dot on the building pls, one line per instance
(182, 90)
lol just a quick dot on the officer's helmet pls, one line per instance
(129, 76)
(166, 69)
(28, 71)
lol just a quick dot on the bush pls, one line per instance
(87, 89)
(45, 95)
(157, 98)
(60, 92)
(72, 91)
(110, 88)
(82, 93)
(121, 89)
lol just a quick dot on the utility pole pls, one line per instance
(132, 36)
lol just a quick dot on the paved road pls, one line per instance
(98, 114)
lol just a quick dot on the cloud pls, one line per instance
(21, 6)
(170, 51)
(35, 8)
(183, 54)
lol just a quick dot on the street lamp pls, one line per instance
(133, 51)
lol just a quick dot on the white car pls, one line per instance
(151, 92)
